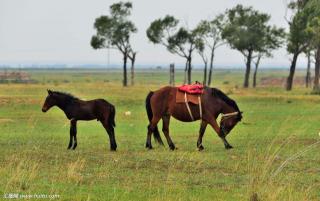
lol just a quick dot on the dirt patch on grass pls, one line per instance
(19, 100)
(281, 81)
(6, 120)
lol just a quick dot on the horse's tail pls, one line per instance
(112, 116)
(156, 133)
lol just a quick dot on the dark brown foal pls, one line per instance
(76, 109)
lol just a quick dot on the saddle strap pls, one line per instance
(186, 101)
(200, 108)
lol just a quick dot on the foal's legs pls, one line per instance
(153, 123)
(165, 129)
(110, 131)
(215, 126)
(73, 134)
(201, 133)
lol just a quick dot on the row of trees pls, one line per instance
(242, 28)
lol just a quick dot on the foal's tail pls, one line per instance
(156, 133)
(112, 115)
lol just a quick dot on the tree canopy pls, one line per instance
(177, 40)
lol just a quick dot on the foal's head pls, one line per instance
(231, 113)
(56, 98)
(50, 101)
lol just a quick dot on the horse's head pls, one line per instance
(228, 122)
(49, 102)
(231, 112)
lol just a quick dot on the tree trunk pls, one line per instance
(248, 68)
(205, 73)
(211, 67)
(133, 60)
(125, 81)
(255, 72)
(189, 71)
(171, 71)
(308, 75)
(316, 87)
(185, 72)
(292, 70)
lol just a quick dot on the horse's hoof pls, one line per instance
(148, 146)
(172, 147)
(74, 146)
(201, 148)
(229, 147)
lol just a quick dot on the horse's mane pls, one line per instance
(68, 96)
(218, 93)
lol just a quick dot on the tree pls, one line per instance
(298, 39)
(308, 73)
(256, 63)
(178, 41)
(246, 30)
(210, 32)
(114, 31)
(200, 46)
(272, 40)
(205, 70)
(132, 56)
(312, 11)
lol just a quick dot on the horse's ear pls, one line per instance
(49, 91)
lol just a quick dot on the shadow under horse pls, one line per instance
(161, 104)
(76, 109)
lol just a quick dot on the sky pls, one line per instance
(59, 31)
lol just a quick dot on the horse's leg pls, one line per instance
(215, 126)
(73, 134)
(226, 143)
(153, 123)
(201, 133)
(165, 129)
(110, 130)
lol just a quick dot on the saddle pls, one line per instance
(190, 94)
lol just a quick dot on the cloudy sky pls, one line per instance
(59, 31)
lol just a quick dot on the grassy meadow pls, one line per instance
(275, 155)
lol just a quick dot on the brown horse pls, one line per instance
(161, 104)
(76, 109)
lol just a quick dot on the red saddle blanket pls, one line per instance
(192, 89)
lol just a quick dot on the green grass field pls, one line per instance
(275, 155)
